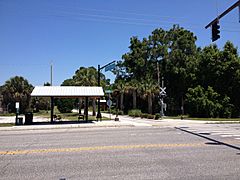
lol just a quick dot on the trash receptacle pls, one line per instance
(28, 118)
(19, 121)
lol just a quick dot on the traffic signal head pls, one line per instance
(215, 31)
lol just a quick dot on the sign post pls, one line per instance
(110, 66)
(17, 112)
(162, 95)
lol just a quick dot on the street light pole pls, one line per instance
(99, 116)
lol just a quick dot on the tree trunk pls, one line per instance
(134, 99)
(121, 102)
(182, 108)
(150, 103)
(94, 107)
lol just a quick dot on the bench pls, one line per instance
(80, 116)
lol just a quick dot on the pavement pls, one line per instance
(124, 121)
(138, 149)
(115, 153)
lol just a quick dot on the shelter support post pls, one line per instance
(52, 108)
(86, 108)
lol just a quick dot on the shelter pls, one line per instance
(67, 92)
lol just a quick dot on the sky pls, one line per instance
(72, 33)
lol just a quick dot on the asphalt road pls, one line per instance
(115, 153)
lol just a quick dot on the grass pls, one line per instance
(8, 114)
(203, 119)
(215, 119)
(6, 124)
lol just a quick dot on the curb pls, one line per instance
(49, 127)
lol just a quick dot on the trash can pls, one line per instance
(19, 121)
(28, 118)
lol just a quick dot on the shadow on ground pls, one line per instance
(60, 122)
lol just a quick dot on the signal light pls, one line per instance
(215, 31)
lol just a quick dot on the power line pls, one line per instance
(78, 16)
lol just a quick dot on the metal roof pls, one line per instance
(67, 91)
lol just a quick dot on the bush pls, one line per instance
(208, 103)
(120, 113)
(150, 116)
(114, 111)
(135, 112)
(65, 105)
(144, 115)
(157, 116)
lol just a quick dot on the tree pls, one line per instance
(41, 103)
(207, 103)
(170, 54)
(65, 105)
(133, 86)
(89, 77)
(119, 88)
(17, 89)
(221, 70)
(180, 65)
(173, 54)
(150, 88)
(82, 77)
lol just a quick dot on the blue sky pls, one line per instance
(74, 33)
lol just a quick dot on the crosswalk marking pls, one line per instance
(224, 132)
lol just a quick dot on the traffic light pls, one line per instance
(215, 31)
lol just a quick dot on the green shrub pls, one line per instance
(113, 111)
(150, 116)
(144, 115)
(135, 112)
(120, 113)
(65, 105)
(157, 116)
(131, 113)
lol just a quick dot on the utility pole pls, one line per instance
(52, 98)
(51, 74)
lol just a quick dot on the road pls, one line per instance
(116, 153)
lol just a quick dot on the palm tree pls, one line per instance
(88, 77)
(133, 86)
(17, 89)
(149, 88)
(120, 86)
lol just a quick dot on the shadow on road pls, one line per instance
(210, 139)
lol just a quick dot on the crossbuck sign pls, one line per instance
(162, 91)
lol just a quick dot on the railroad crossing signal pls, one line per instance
(162, 91)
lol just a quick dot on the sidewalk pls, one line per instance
(124, 121)
(45, 124)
